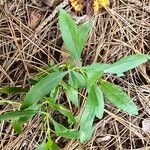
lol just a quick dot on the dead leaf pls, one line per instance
(52, 3)
(146, 125)
(34, 18)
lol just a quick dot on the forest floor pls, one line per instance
(30, 40)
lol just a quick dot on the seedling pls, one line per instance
(72, 77)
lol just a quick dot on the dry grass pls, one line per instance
(117, 32)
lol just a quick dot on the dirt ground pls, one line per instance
(30, 39)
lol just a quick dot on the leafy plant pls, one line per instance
(71, 78)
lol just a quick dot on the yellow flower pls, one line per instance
(103, 3)
(76, 4)
(96, 5)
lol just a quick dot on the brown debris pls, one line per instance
(139, 4)
(34, 18)
(52, 3)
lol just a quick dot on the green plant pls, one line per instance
(72, 77)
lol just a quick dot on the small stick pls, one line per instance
(139, 4)
(49, 18)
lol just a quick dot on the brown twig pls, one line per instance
(139, 4)
(49, 18)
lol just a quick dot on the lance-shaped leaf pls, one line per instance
(94, 104)
(118, 97)
(86, 133)
(49, 145)
(17, 125)
(86, 124)
(84, 30)
(72, 94)
(97, 67)
(93, 107)
(95, 71)
(18, 122)
(62, 109)
(70, 35)
(16, 114)
(96, 97)
(93, 76)
(77, 80)
(64, 132)
(127, 63)
(54, 93)
(42, 88)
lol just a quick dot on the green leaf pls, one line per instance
(12, 90)
(70, 35)
(64, 132)
(71, 134)
(58, 127)
(148, 56)
(42, 88)
(16, 114)
(77, 80)
(43, 72)
(61, 109)
(24, 119)
(94, 104)
(18, 122)
(93, 76)
(84, 30)
(96, 67)
(97, 100)
(93, 107)
(127, 63)
(118, 97)
(17, 125)
(86, 133)
(72, 94)
(54, 93)
(49, 145)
